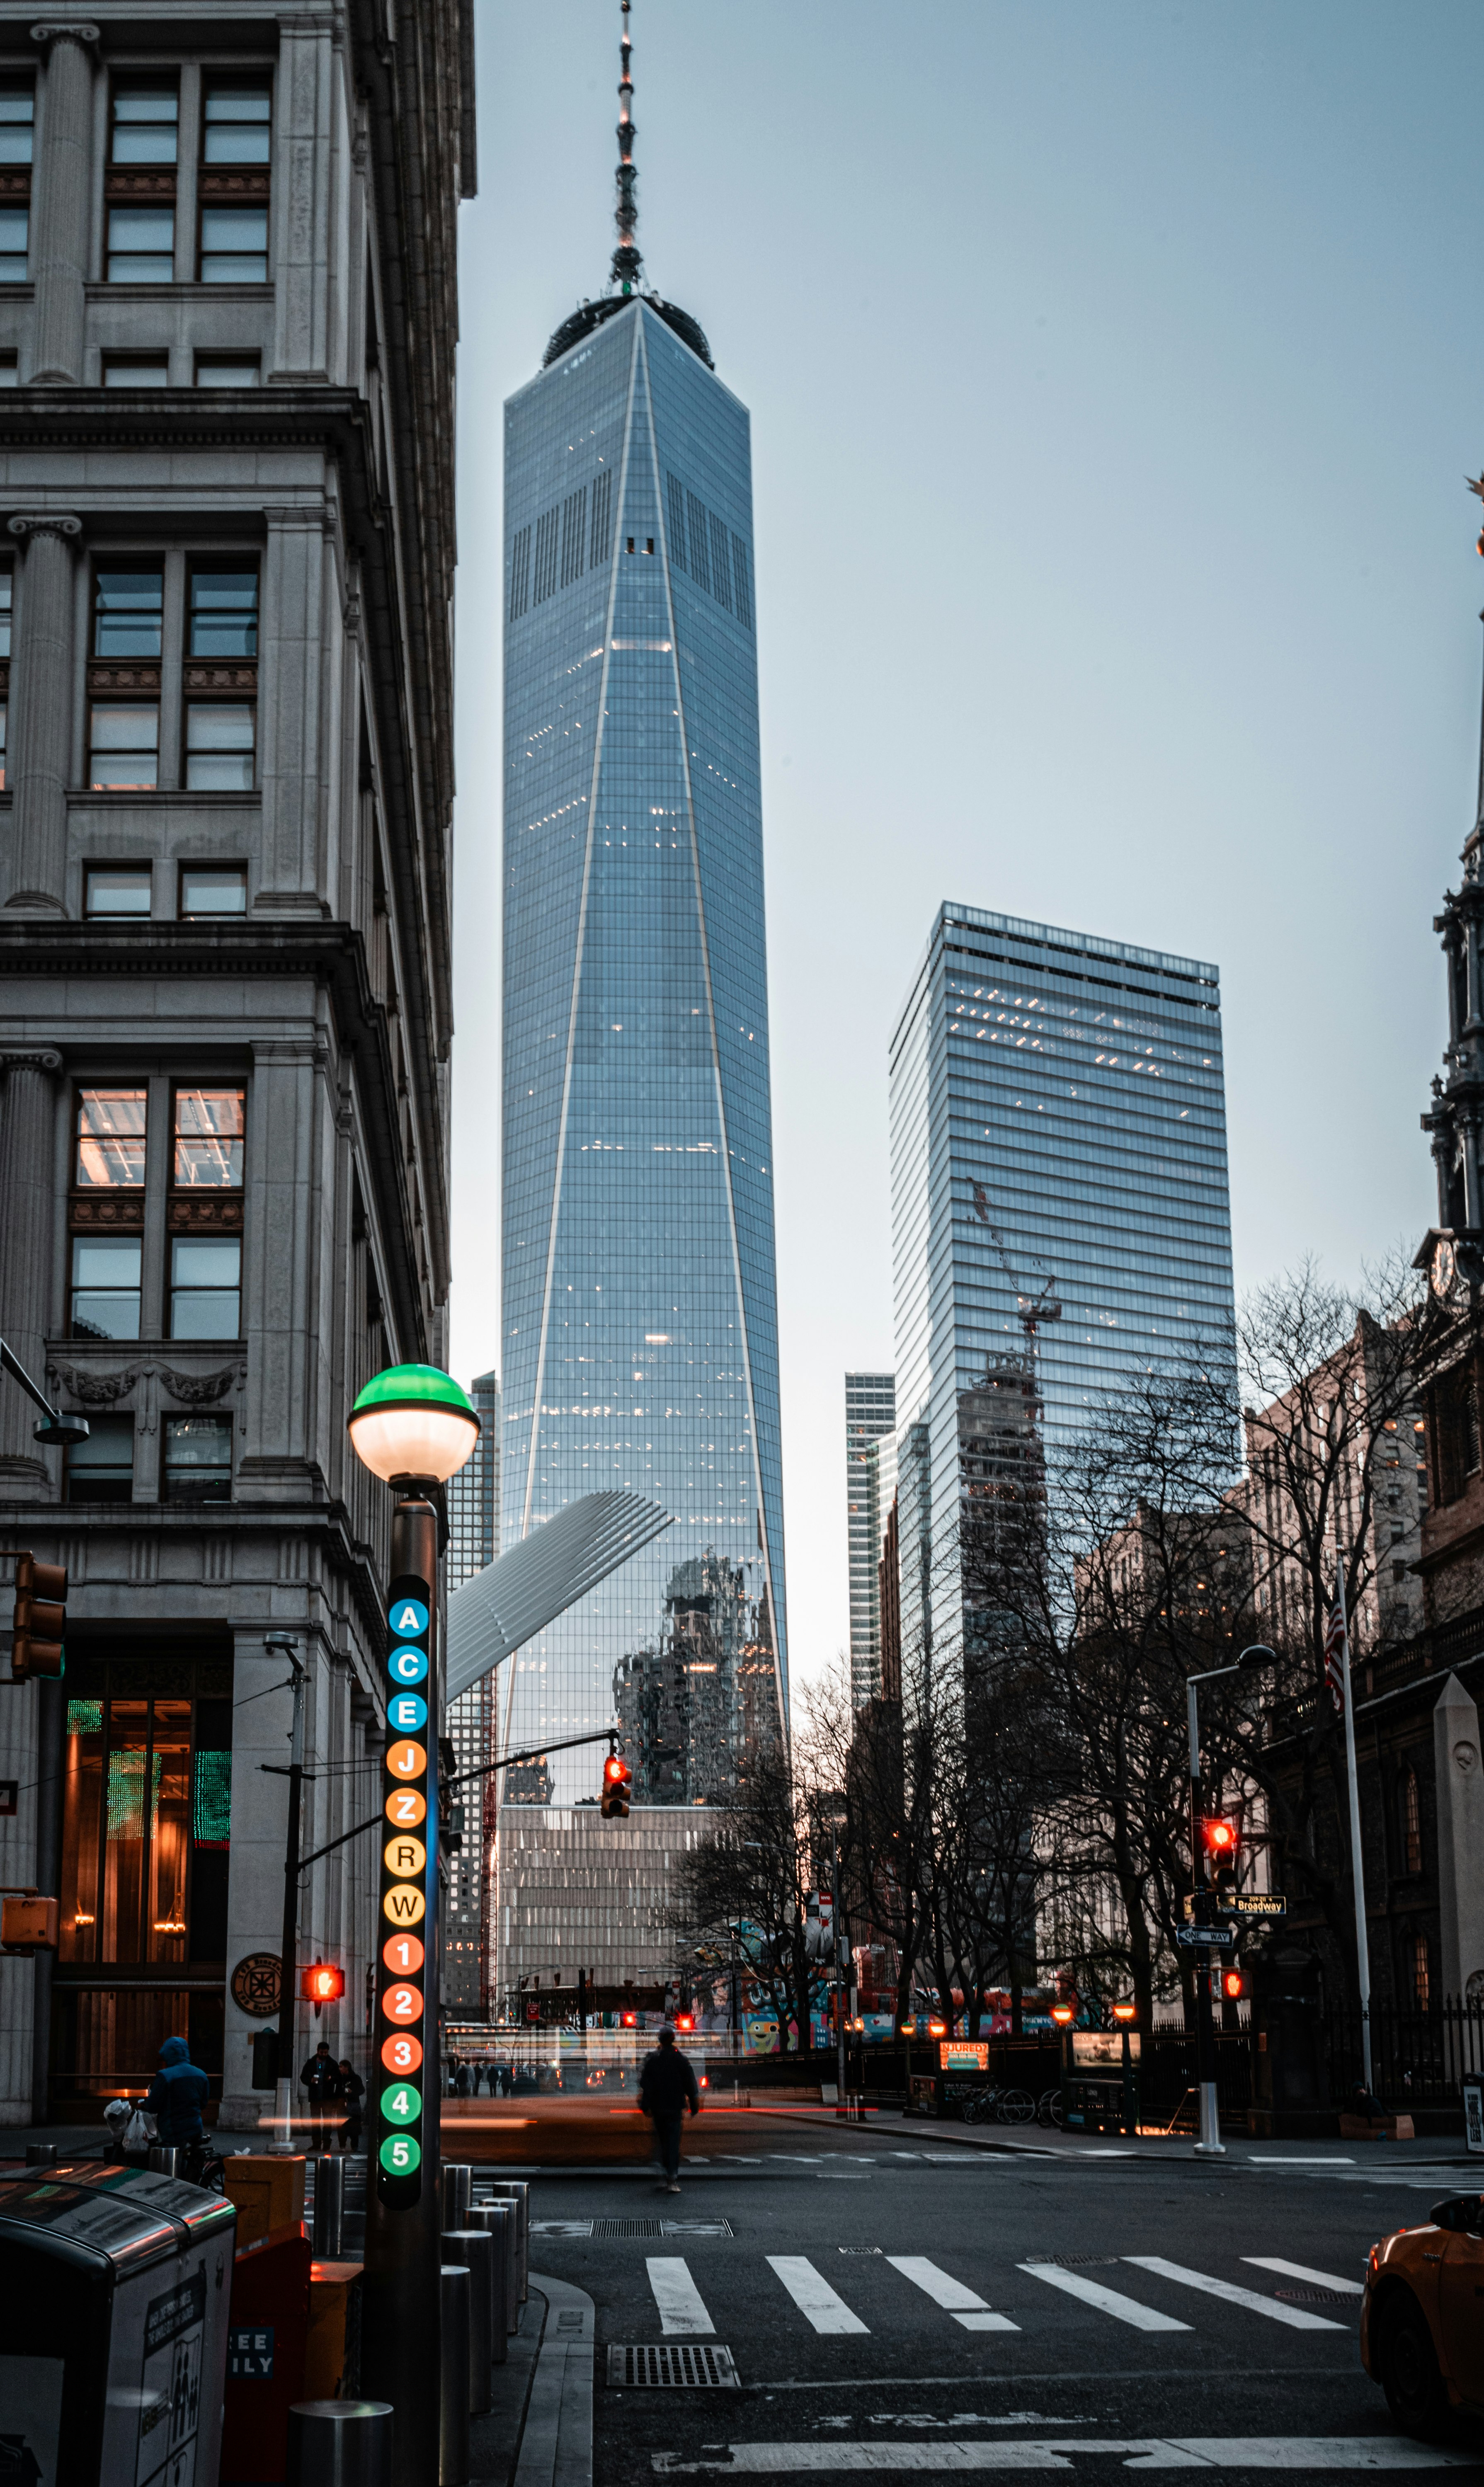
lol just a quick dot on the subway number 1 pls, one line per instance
(402, 1993)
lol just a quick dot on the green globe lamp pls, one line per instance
(412, 1426)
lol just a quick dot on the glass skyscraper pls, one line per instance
(638, 1294)
(870, 1482)
(1060, 1214)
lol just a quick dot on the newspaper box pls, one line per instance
(116, 2285)
(1100, 2080)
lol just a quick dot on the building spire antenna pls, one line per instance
(627, 258)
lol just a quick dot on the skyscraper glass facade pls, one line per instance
(639, 1289)
(870, 1426)
(1058, 1138)
(473, 1513)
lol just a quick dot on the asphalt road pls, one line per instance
(893, 2302)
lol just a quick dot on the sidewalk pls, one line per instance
(1042, 2142)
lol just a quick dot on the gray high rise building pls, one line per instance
(229, 245)
(638, 1298)
(870, 1482)
(1060, 1214)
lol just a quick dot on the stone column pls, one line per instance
(300, 263)
(61, 198)
(1459, 1783)
(1468, 1134)
(303, 614)
(27, 1174)
(41, 713)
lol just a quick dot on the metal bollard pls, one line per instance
(340, 2444)
(516, 2190)
(167, 2158)
(498, 2222)
(41, 2154)
(476, 2249)
(458, 2187)
(329, 2208)
(453, 2376)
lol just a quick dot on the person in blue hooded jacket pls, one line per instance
(176, 2094)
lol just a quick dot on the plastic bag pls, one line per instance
(139, 2133)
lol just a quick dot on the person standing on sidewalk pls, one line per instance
(667, 2082)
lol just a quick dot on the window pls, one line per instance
(213, 889)
(700, 567)
(10, 373)
(1421, 1972)
(546, 556)
(238, 122)
(602, 517)
(520, 573)
(101, 1470)
(720, 566)
(140, 181)
(210, 1125)
(677, 502)
(106, 1273)
(223, 610)
(136, 371)
(128, 623)
(110, 1139)
(220, 739)
(205, 1278)
(742, 582)
(116, 889)
(573, 535)
(1412, 1822)
(228, 370)
(197, 1459)
(237, 131)
(17, 113)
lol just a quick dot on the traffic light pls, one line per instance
(38, 1618)
(321, 1984)
(1233, 1985)
(629, 2020)
(685, 2022)
(617, 1780)
(1221, 1843)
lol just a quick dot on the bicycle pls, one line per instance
(1049, 2108)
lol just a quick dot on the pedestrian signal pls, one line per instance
(617, 1780)
(38, 1618)
(322, 1983)
(1233, 1985)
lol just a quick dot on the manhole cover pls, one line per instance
(684, 2366)
(1313, 2297)
(631, 2229)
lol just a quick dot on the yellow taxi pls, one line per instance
(1422, 2317)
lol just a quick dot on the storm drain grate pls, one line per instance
(631, 2229)
(684, 2366)
(859, 2249)
(1074, 2262)
(1313, 2297)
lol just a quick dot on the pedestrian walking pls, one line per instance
(667, 2083)
(320, 2083)
(352, 2089)
(460, 2080)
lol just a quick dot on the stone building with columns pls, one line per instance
(227, 321)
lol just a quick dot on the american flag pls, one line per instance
(1335, 1657)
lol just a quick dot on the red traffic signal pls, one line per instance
(322, 1983)
(617, 1780)
(630, 2020)
(38, 1618)
(1220, 1838)
(684, 2020)
(1233, 1985)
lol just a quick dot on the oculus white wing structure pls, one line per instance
(512, 1599)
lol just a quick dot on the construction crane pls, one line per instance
(1031, 1310)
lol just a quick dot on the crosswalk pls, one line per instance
(684, 2313)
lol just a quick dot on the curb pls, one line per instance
(557, 2442)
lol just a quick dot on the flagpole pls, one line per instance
(1358, 1870)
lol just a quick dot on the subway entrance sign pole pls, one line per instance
(413, 1427)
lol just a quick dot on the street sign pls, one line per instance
(1253, 1904)
(1202, 1938)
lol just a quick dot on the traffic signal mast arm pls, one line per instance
(604, 1735)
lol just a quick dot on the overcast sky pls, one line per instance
(1114, 372)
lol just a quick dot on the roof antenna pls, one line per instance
(627, 259)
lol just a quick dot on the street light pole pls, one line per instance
(288, 1974)
(1210, 2144)
(415, 1428)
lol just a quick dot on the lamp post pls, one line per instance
(415, 1428)
(1210, 2144)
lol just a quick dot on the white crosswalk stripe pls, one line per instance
(1302, 2270)
(1296, 2317)
(950, 2294)
(1107, 2300)
(683, 2314)
(813, 2295)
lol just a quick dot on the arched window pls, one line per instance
(1420, 1972)
(1410, 1822)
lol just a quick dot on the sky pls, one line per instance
(1114, 371)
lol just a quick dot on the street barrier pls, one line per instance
(476, 2249)
(454, 2376)
(340, 2444)
(329, 2207)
